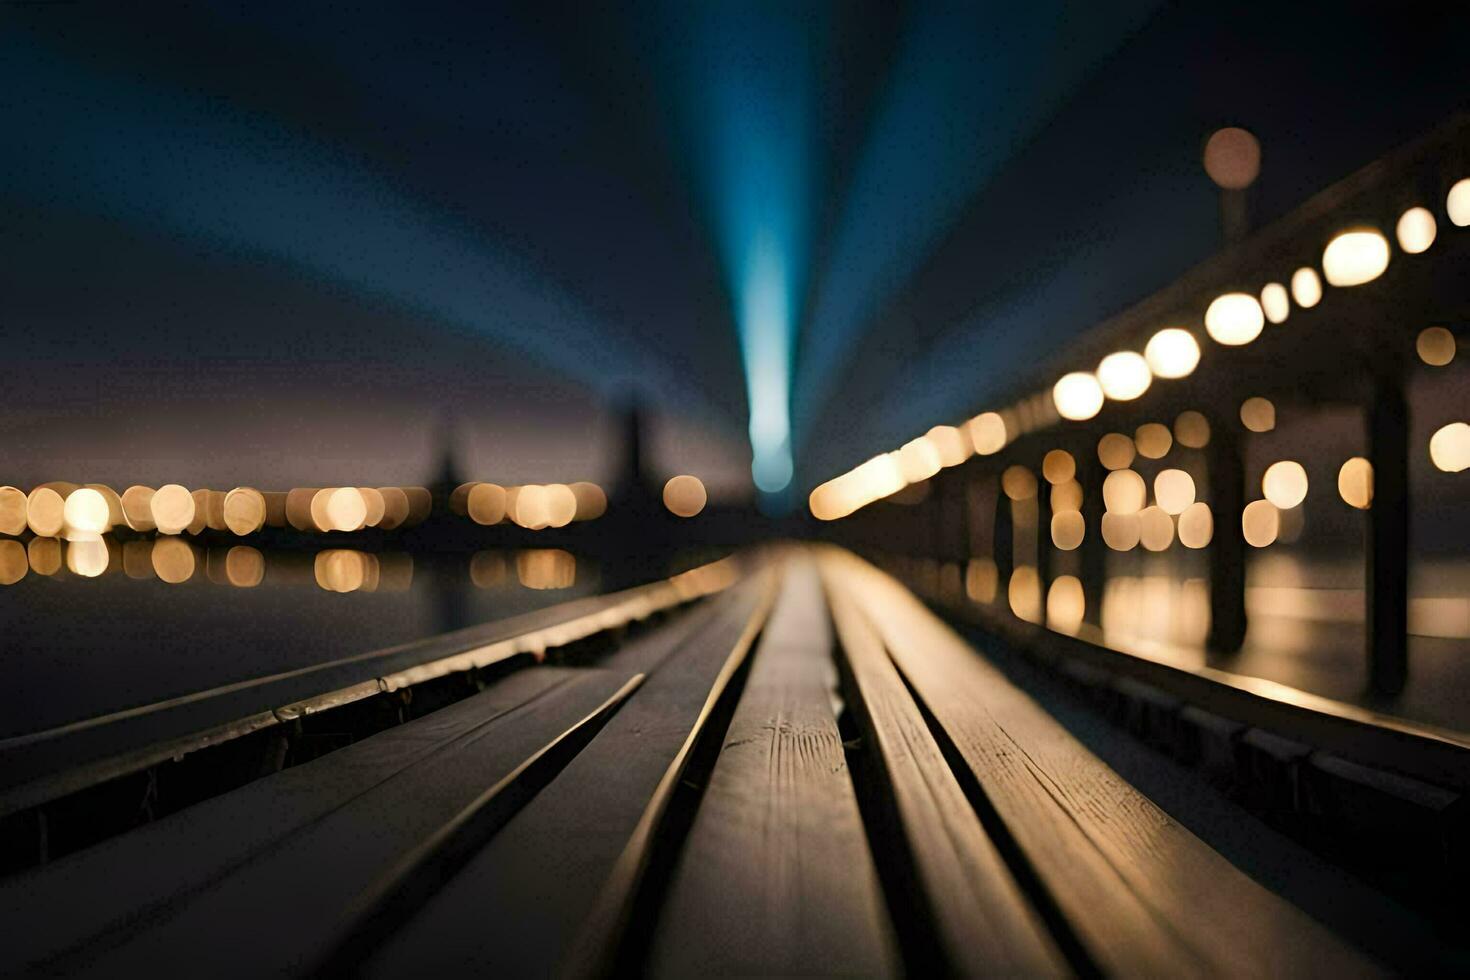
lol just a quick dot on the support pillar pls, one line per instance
(1388, 536)
(1227, 549)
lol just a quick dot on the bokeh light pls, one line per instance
(1435, 346)
(1306, 287)
(1120, 532)
(1234, 319)
(1018, 482)
(1155, 529)
(987, 433)
(950, 443)
(1058, 466)
(12, 511)
(1285, 483)
(1355, 257)
(1355, 483)
(1124, 492)
(1449, 447)
(1172, 353)
(1153, 440)
(1123, 376)
(85, 512)
(1416, 230)
(1260, 522)
(1258, 414)
(1275, 302)
(1457, 203)
(918, 460)
(1115, 451)
(1196, 525)
(684, 495)
(1067, 529)
(1174, 491)
(1066, 604)
(45, 512)
(1077, 396)
(1192, 430)
(1232, 158)
(1066, 496)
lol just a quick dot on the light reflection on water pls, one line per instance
(1306, 620)
(96, 625)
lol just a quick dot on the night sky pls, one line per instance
(279, 244)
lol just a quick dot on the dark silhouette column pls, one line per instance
(1388, 535)
(1227, 549)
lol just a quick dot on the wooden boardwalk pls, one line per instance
(804, 772)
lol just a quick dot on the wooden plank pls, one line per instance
(1142, 895)
(982, 921)
(107, 886)
(579, 846)
(41, 766)
(775, 878)
(285, 908)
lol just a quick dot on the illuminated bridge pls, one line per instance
(812, 489)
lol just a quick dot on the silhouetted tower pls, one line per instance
(447, 475)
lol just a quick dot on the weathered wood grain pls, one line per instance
(983, 921)
(775, 878)
(1141, 893)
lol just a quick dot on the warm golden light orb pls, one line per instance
(1120, 532)
(1124, 492)
(918, 460)
(1260, 522)
(1355, 257)
(12, 511)
(44, 556)
(340, 570)
(1196, 525)
(1018, 483)
(1275, 302)
(1192, 430)
(1258, 414)
(87, 557)
(173, 558)
(45, 512)
(1416, 230)
(1457, 203)
(1436, 346)
(485, 503)
(372, 498)
(1078, 396)
(1155, 529)
(85, 513)
(1234, 319)
(1355, 483)
(1174, 491)
(1153, 440)
(1066, 496)
(951, 444)
(1124, 375)
(1115, 451)
(1306, 287)
(1285, 483)
(244, 511)
(1067, 529)
(13, 562)
(546, 568)
(244, 567)
(1058, 466)
(591, 501)
(395, 508)
(1232, 158)
(685, 496)
(1172, 353)
(172, 507)
(1066, 604)
(339, 509)
(1449, 447)
(987, 432)
(561, 505)
(137, 508)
